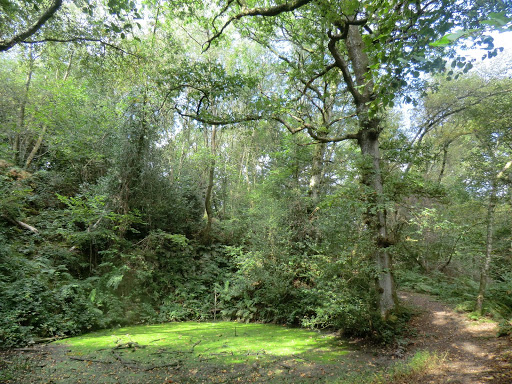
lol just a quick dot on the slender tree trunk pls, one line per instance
(510, 216)
(445, 159)
(484, 275)
(317, 165)
(184, 148)
(20, 124)
(36, 147)
(68, 68)
(209, 188)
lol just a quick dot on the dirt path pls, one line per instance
(474, 355)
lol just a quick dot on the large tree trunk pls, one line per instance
(376, 221)
(368, 140)
(484, 275)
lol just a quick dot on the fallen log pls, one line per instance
(21, 224)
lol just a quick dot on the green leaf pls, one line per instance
(452, 38)
(498, 20)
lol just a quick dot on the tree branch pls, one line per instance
(332, 122)
(8, 44)
(216, 121)
(20, 224)
(448, 111)
(292, 130)
(311, 131)
(78, 39)
(320, 139)
(318, 75)
(342, 65)
(262, 11)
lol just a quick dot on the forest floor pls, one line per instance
(471, 351)
(465, 352)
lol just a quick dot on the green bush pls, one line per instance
(39, 299)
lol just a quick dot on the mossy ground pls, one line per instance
(190, 352)
(224, 342)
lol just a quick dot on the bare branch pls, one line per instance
(20, 224)
(307, 84)
(222, 11)
(8, 44)
(448, 111)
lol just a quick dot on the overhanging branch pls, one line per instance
(288, 6)
(80, 39)
(311, 131)
(8, 44)
(321, 139)
(217, 121)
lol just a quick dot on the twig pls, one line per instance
(161, 352)
(31, 350)
(261, 352)
(82, 39)
(121, 360)
(129, 345)
(222, 353)
(194, 345)
(91, 360)
(301, 358)
(175, 364)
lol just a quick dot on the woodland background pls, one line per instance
(156, 166)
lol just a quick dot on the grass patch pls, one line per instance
(227, 342)
(192, 352)
(413, 370)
